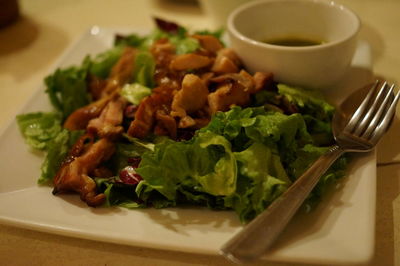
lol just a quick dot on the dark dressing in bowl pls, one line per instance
(293, 41)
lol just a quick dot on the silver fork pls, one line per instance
(361, 134)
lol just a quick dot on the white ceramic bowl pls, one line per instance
(317, 66)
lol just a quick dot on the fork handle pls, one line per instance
(258, 236)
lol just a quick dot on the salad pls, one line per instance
(173, 118)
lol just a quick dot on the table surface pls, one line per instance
(46, 28)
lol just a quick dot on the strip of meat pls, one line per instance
(145, 116)
(108, 124)
(189, 61)
(163, 52)
(96, 86)
(144, 119)
(73, 176)
(209, 42)
(243, 78)
(80, 118)
(121, 72)
(206, 77)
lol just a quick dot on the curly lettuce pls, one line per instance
(243, 160)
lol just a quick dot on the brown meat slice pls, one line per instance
(191, 97)
(209, 42)
(262, 80)
(108, 124)
(223, 64)
(206, 77)
(96, 86)
(202, 122)
(163, 52)
(165, 124)
(73, 176)
(233, 89)
(145, 116)
(186, 122)
(243, 78)
(81, 116)
(121, 72)
(228, 95)
(226, 62)
(141, 126)
(189, 61)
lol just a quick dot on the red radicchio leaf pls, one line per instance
(167, 26)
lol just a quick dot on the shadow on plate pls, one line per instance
(195, 218)
(175, 219)
(74, 201)
(388, 151)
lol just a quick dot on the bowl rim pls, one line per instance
(233, 30)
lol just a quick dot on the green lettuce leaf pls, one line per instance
(66, 88)
(155, 35)
(282, 133)
(102, 63)
(316, 112)
(304, 158)
(57, 150)
(39, 128)
(238, 161)
(133, 40)
(184, 45)
(135, 92)
(144, 69)
(262, 174)
(243, 160)
(118, 194)
(205, 164)
(259, 160)
(134, 148)
(309, 101)
(221, 181)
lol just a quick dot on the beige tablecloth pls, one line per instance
(29, 48)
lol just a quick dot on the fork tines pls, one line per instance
(375, 113)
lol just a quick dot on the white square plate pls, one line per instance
(340, 230)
